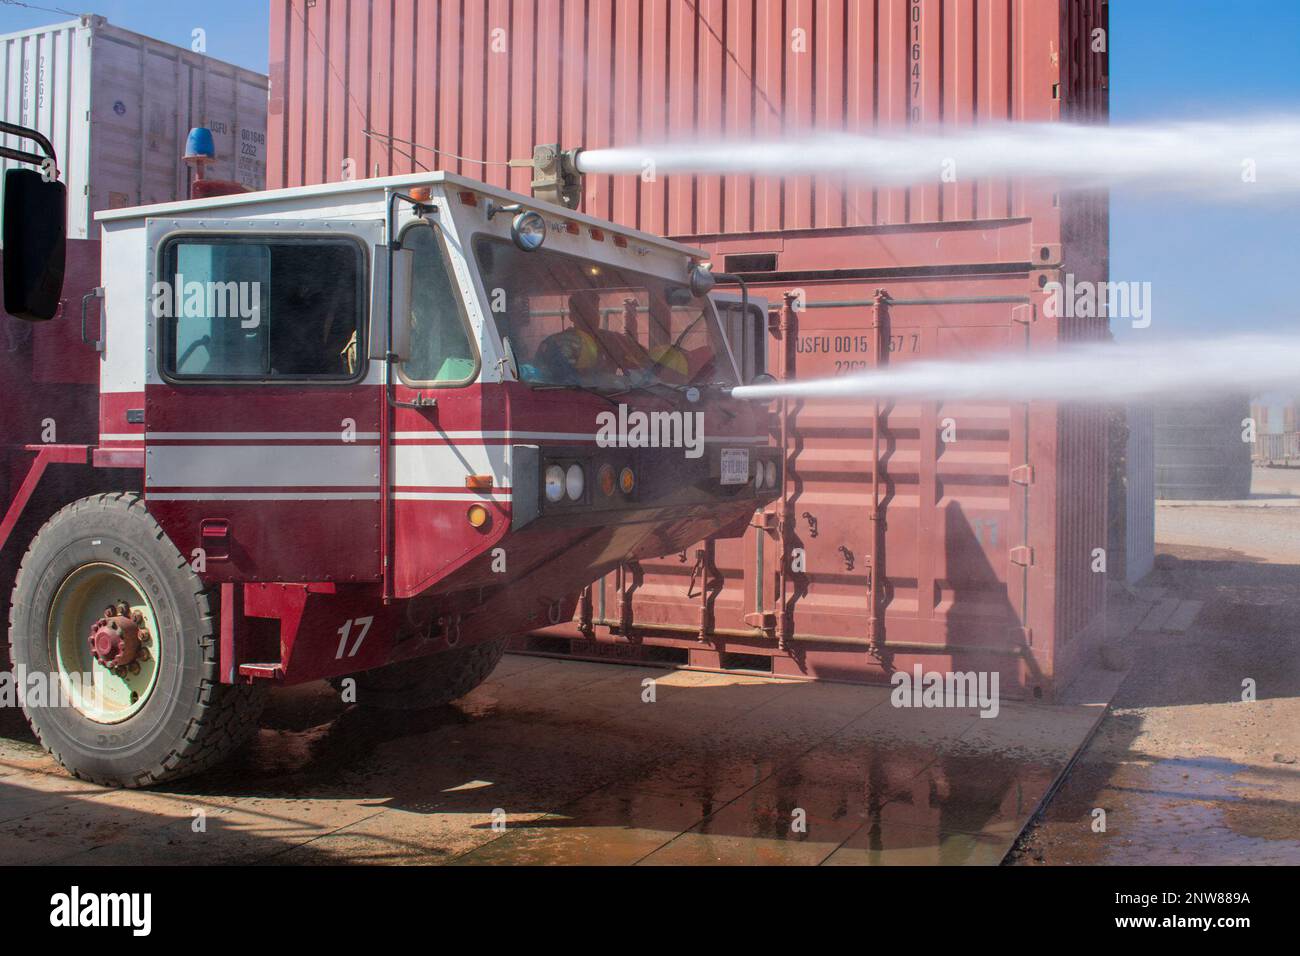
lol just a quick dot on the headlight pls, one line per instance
(758, 475)
(770, 469)
(627, 480)
(528, 230)
(554, 483)
(574, 482)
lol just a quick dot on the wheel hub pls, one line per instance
(118, 639)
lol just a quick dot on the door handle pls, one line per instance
(95, 293)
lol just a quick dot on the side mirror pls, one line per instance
(35, 234)
(701, 281)
(403, 266)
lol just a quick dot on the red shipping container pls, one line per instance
(988, 545)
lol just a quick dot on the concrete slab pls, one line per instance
(564, 762)
(603, 828)
(902, 845)
(1183, 618)
(1157, 617)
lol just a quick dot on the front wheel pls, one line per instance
(118, 633)
(427, 682)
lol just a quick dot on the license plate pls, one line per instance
(735, 466)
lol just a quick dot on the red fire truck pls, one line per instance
(367, 430)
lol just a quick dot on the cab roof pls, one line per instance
(352, 187)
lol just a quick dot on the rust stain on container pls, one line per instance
(986, 543)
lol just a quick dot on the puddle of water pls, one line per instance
(594, 775)
(1173, 811)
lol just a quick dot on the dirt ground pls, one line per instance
(1184, 769)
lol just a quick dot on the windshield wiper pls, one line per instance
(553, 386)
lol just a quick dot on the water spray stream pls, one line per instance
(1219, 160)
(1096, 372)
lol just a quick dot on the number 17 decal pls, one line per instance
(364, 624)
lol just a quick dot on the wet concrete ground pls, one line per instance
(1185, 770)
(556, 762)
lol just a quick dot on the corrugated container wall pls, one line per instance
(118, 106)
(484, 82)
(987, 551)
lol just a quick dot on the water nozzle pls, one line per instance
(556, 175)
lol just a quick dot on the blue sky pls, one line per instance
(237, 30)
(1212, 267)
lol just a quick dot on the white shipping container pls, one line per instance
(118, 107)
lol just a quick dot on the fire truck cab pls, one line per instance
(365, 431)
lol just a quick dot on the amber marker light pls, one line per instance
(626, 480)
(605, 480)
(478, 516)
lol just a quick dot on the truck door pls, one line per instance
(263, 396)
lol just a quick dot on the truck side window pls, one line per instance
(747, 336)
(441, 349)
(259, 308)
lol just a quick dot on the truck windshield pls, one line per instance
(575, 321)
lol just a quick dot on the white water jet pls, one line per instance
(1095, 372)
(1225, 160)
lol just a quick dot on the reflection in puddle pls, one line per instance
(722, 769)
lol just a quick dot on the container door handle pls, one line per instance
(95, 293)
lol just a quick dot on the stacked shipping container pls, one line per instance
(984, 520)
(118, 106)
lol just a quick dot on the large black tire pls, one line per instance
(189, 721)
(427, 682)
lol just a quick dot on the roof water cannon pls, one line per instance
(35, 229)
(557, 177)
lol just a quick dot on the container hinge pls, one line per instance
(1023, 555)
(1023, 474)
